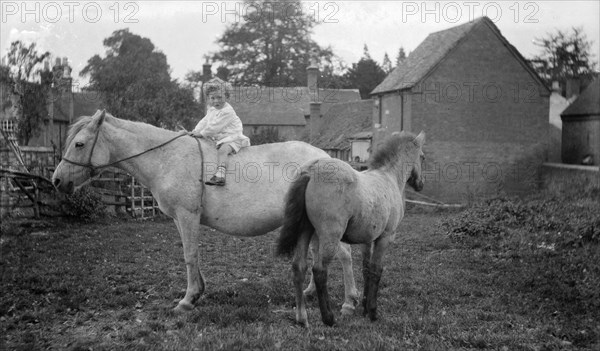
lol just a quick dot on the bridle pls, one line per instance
(94, 169)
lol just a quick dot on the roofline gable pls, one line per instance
(512, 50)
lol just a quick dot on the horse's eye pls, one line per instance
(79, 144)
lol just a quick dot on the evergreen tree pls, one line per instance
(387, 64)
(401, 56)
(366, 74)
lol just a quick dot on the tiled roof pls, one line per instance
(433, 50)
(283, 106)
(588, 103)
(343, 121)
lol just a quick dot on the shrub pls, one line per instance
(555, 241)
(84, 204)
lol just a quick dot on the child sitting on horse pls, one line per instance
(222, 125)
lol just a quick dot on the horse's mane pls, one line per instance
(76, 127)
(389, 151)
(84, 121)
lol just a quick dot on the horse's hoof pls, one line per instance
(183, 307)
(347, 309)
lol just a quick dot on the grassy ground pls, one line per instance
(112, 285)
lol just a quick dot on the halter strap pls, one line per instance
(94, 169)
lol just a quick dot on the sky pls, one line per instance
(186, 31)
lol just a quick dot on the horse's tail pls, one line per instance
(295, 220)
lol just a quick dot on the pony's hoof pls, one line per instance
(373, 315)
(329, 321)
(347, 309)
(309, 291)
(302, 323)
(183, 307)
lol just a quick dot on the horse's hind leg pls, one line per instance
(299, 268)
(311, 288)
(366, 263)
(327, 251)
(350, 291)
(375, 271)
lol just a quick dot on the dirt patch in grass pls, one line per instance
(113, 285)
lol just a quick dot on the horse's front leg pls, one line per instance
(188, 225)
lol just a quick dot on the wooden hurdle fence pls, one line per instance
(122, 193)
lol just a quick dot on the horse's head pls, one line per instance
(83, 153)
(416, 172)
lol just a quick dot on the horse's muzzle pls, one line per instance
(63, 187)
(416, 184)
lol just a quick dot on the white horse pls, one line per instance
(171, 165)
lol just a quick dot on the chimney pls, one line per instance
(312, 73)
(206, 71)
(573, 87)
(555, 86)
(315, 120)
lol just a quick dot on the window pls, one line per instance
(9, 125)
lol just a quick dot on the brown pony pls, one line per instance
(331, 202)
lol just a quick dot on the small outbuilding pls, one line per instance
(581, 128)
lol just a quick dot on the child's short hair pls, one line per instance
(217, 84)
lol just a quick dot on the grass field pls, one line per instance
(112, 285)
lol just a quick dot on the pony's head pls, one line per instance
(83, 152)
(403, 153)
(416, 180)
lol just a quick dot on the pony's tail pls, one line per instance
(295, 220)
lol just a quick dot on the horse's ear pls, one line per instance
(101, 118)
(420, 139)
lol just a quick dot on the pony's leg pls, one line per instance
(311, 289)
(375, 271)
(327, 251)
(299, 268)
(366, 263)
(189, 226)
(350, 291)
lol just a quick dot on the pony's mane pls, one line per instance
(390, 150)
(76, 127)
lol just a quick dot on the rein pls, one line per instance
(94, 169)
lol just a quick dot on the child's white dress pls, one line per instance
(224, 127)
